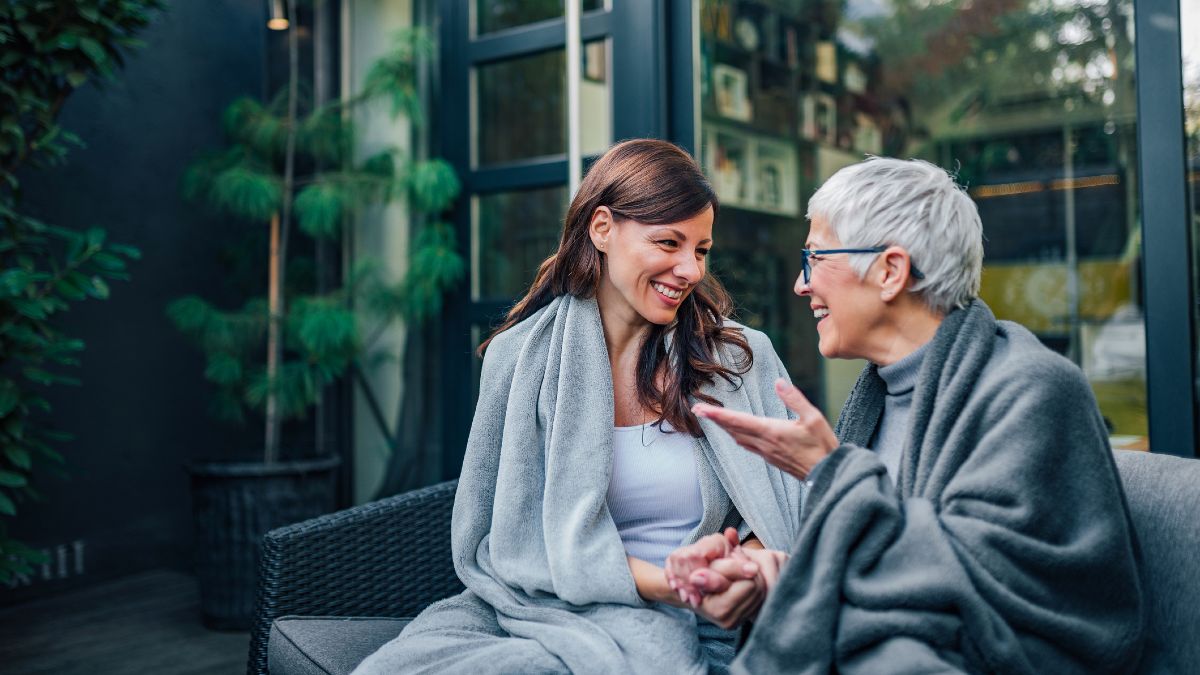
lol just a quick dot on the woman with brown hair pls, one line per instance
(585, 466)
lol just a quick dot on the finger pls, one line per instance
(729, 420)
(792, 397)
(735, 569)
(709, 582)
(731, 536)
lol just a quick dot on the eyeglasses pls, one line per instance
(806, 266)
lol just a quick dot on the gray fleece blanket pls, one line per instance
(1005, 547)
(548, 587)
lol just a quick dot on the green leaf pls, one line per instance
(76, 78)
(319, 209)
(12, 479)
(10, 396)
(6, 505)
(98, 289)
(94, 51)
(223, 369)
(434, 185)
(247, 193)
(19, 457)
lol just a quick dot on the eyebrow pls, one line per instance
(680, 236)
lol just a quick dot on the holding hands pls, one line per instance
(722, 580)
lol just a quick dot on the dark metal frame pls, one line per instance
(655, 41)
(1166, 236)
(639, 99)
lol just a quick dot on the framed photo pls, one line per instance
(776, 186)
(727, 157)
(818, 122)
(867, 136)
(730, 89)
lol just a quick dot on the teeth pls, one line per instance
(820, 313)
(670, 293)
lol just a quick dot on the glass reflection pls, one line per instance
(513, 233)
(521, 108)
(1030, 102)
(1189, 15)
(494, 15)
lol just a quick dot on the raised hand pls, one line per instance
(794, 446)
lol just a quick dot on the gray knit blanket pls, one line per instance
(1005, 547)
(548, 586)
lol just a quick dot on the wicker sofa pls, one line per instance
(392, 557)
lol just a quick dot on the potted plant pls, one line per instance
(289, 166)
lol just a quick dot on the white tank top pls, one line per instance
(654, 495)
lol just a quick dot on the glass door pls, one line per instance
(504, 127)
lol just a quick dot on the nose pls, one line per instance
(688, 268)
(801, 288)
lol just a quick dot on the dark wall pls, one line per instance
(141, 413)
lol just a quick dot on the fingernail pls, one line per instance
(683, 596)
(750, 568)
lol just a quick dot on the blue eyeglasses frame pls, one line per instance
(806, 267)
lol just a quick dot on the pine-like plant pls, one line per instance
(47, 50)
(290, 162)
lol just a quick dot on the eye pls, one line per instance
(669, 243)
(702, 252)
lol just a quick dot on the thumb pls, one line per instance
(792, 397)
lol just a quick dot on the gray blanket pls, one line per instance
(1006, 546)
(548, 585)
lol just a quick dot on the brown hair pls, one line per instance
(652, 182)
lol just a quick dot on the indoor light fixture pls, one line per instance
(278, 20)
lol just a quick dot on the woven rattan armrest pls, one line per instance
(389, 558)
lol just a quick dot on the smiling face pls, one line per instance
(847, 309)
(649, 269)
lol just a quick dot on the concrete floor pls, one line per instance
(145, 623)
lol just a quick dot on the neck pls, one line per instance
(624, 328)
(909, 325)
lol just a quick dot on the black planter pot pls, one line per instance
(234, 505)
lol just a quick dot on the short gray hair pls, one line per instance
(915, 205)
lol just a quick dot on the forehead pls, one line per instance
(820, 234)
(697, 227)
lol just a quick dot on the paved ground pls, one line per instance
(146, 623)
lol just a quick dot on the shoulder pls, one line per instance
(1020, 362)
(502, 352)
(760, 344)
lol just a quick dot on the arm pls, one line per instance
(652, 583)
(992, 563)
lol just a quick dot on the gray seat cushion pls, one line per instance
(326, 645)
(1164, 500)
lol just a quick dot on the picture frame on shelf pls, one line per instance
(776, 177)
(818, 117)
(727, 163)
(752, 171)
(827, 65)
(731, 92)
(868, 138)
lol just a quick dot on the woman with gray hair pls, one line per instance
(965, 513)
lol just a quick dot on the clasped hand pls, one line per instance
(722, 580)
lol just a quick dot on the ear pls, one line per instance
(894, 265)
(600, 227)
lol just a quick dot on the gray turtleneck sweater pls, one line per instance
(900, 378)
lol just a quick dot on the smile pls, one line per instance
(672, 293)
(821, 313)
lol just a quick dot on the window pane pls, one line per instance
(1189, 15)
(521, 106)
(494, 15)
(513, 232)
(1031, 103)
